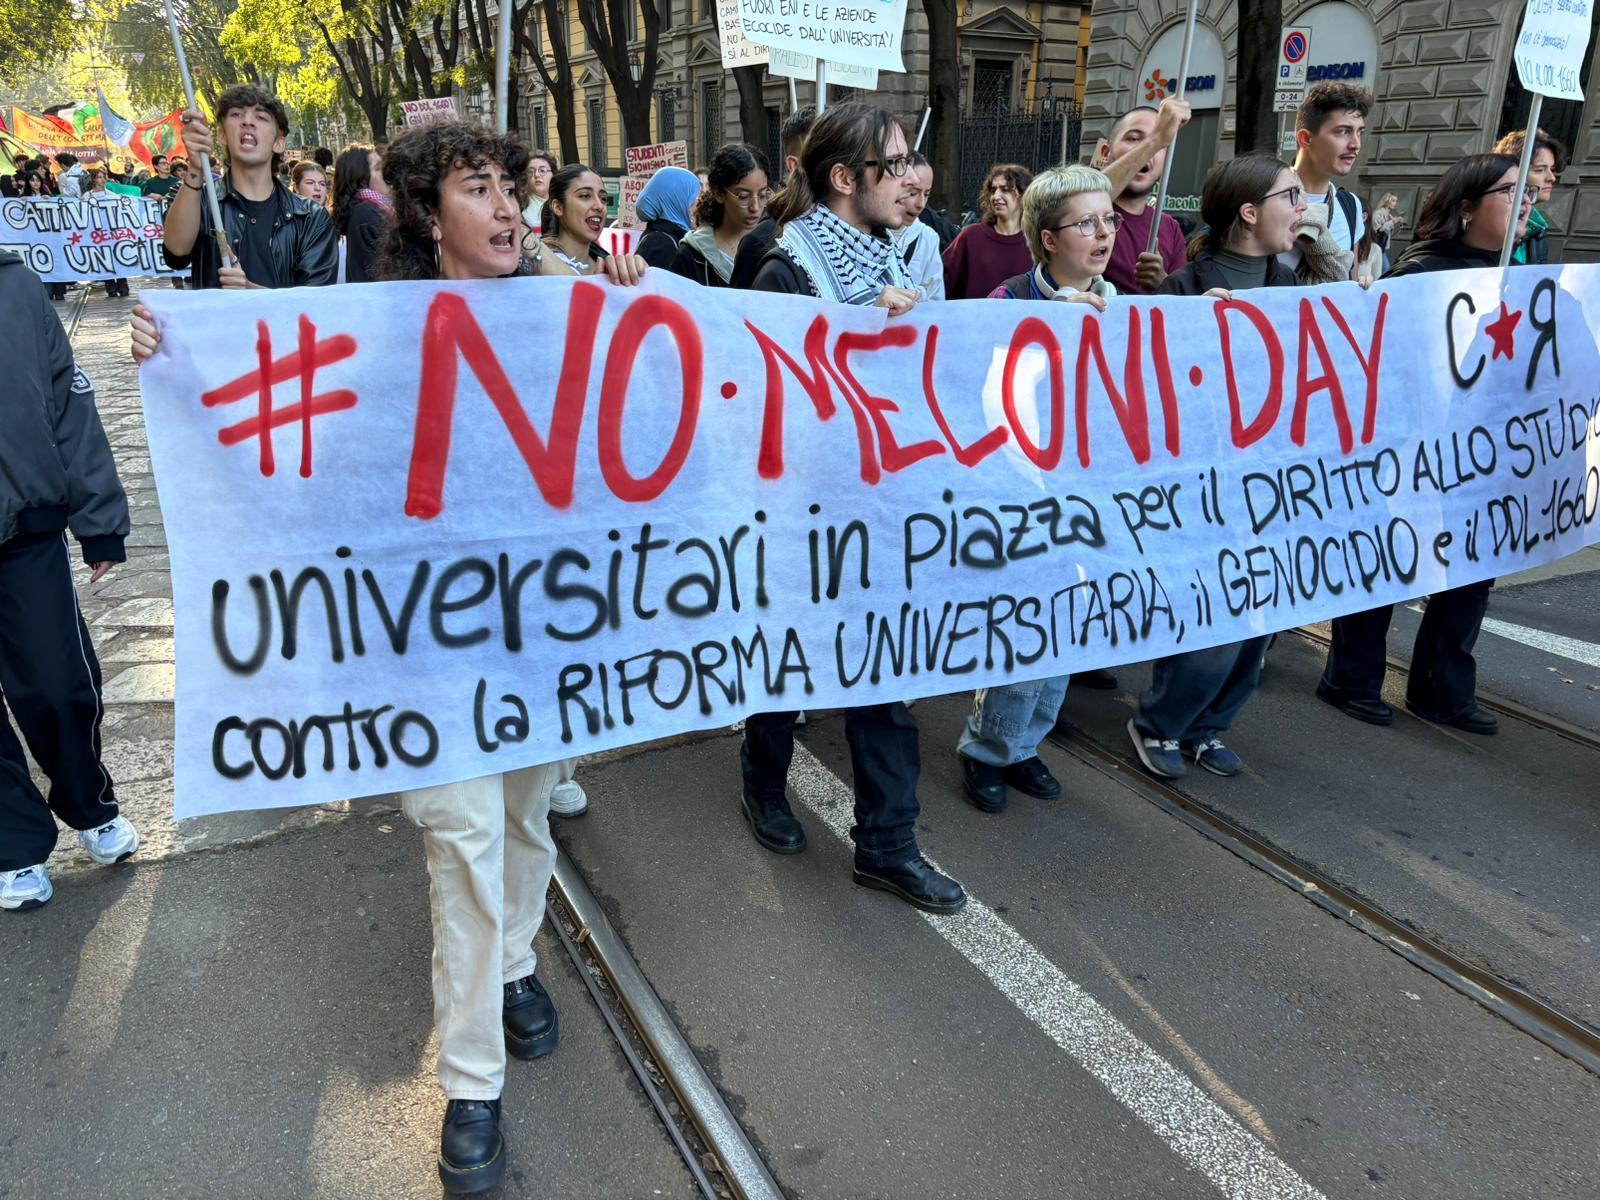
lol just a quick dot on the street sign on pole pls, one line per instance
(1294, 53)
(1549, 53)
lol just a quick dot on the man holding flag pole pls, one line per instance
(272, 238)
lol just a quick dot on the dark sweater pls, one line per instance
(1202, 274)
(747, 262)
(981, 259)
(691, 264)
(659, 245)
(363, 234)
(940, 224)
(56, 467)
(1439, 255)
(778, 272)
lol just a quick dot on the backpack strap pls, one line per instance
(1347, 205)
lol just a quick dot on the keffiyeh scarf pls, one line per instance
(843, 264)
(371, 197)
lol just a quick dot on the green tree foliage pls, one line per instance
(139, 27)
(33, 33)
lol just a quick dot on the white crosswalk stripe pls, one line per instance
(1176, 1109)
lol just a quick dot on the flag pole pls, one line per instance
(502, 67)
(822, 85)
(922, 129)
(206, 182)
(1166, 167)
(1522, 178)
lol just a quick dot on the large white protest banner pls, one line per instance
(1551, 47)
(107, 237)
(863, 33)
(460, 528)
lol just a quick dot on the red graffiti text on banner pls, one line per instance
(303, 363)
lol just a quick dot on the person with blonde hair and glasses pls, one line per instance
(1070, 224)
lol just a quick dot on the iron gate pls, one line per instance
(1033, 139)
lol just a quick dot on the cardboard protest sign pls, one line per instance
(628, 205)
(737, 50)
(863, 33)
(644, 161)
(460, 528)
(106, 237)
(788, 64)
(1551, 46)
(428, 111)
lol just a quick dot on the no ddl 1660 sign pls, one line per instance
(461, 528)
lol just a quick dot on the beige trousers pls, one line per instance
(490, 857)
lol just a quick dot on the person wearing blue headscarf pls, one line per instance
(666, 206)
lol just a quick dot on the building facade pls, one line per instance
(1441, 71)
(1016, 57)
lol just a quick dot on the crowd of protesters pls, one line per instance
(845, 218)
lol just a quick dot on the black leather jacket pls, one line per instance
(305, 248)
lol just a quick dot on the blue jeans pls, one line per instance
(1199, 693)
(1008, 723)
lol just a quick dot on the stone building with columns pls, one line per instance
(1016, 55)
(1441, 72)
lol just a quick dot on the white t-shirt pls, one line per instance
(70, 181)
(1340, 230)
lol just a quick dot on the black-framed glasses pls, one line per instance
(1529, 191)
(896, 166)
(1091, 226)
(1294, 193)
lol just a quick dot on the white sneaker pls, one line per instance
(112, 842)
(567, 799)
(25, 889)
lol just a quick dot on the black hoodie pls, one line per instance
(1437, 254)
(56, 469)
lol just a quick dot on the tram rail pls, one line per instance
(1562, 1032)
(738, 1165)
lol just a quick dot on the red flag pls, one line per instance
(151, 138)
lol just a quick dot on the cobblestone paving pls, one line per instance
(130, 615)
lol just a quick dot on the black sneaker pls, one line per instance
(984, 783)
(529, 1016)
(472, 1154)
(1032, 778)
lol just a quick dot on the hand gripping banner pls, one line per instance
(460, 528)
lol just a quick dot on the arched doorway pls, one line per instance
(1196, 150)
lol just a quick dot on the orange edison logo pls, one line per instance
(1157, 86)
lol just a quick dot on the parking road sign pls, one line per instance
(1292, 56)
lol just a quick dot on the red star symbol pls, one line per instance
(1502, 332)
(76, 238)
